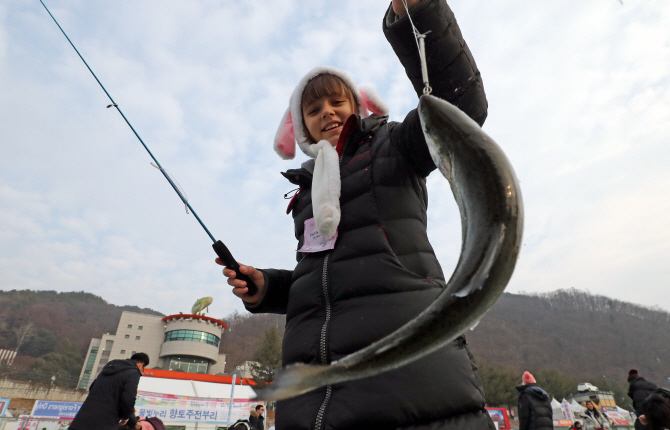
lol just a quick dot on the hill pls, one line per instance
(567, 337)
(564, 337)
(50, 317)
(576, 333)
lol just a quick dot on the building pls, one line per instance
(182, 342)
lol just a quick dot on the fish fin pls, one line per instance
(292, 381)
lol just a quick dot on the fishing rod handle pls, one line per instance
(230, 262)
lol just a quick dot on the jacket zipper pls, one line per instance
(323, 353)
(344, 148)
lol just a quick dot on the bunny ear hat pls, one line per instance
(326, 184)
(291, 129)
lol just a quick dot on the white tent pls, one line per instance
(576, 407)
(557, 410)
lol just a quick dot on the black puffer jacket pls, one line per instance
(256, 420)
(535, 411)
(111, 398)
(383, 271)
(638, 390)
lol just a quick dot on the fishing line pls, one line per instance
(617, 390)
(220, 249)
(420, 40)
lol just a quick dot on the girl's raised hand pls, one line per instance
(399, 8)
(240, 287)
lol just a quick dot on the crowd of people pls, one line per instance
(651, 405)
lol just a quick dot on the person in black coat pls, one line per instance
(111, 397)
(656, 410)
(256, 418)
(638, 390)
(535, 411)
(381, 271)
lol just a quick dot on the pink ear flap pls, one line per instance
(285, 138)
(372, 101)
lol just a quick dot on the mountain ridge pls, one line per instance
(568, 332)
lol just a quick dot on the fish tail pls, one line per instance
(293, 381)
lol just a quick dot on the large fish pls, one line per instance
(489, 199)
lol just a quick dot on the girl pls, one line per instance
(365, 265)
(593, 418)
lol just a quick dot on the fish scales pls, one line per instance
(489, 200)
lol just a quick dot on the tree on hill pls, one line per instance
(240, 341)
(267, 357)
(575, 333)
(557, 384)
(64, 363)
(42, 342)
(23, 333)
(499, 385)
(77, 316)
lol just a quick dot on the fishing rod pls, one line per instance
(219, 247)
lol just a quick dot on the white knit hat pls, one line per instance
(290, 129)
(326, 183)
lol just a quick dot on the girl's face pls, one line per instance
(590, 406)
(326, 116)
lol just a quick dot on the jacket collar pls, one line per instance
(355, 128)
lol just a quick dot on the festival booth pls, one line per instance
(557, 410)
(620, 418)
(189, 401)
(500, 418)
(563, 414)
(46, 415)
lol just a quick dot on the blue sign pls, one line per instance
(3, 406)
(47, 409)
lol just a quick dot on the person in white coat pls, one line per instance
(594, 419)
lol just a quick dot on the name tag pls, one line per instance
(313, 241)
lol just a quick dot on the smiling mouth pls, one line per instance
(332, 126)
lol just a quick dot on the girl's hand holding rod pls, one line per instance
(240, 288)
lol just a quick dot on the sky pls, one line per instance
(579, 100)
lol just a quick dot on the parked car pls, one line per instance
(585, 386)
